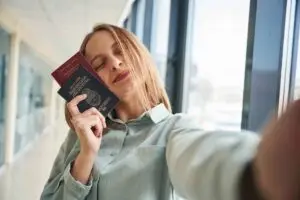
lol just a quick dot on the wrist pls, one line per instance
(87, 153)
(82, 166)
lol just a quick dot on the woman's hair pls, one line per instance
(138, 59)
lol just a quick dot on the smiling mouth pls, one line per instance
(121, 76)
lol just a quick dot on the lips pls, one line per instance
(121, 76)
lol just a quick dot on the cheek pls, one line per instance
(105, 78)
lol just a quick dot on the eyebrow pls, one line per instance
(114, 45)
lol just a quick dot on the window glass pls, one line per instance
(218, 54)
(160, 36)
(34, 90)
(4, 61)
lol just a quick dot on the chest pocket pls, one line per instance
(142, 170)
(138, 159)
(147, 156)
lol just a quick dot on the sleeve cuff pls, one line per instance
(74, 187)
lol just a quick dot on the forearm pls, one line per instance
(82, 167)
(74, 182)
(212, 161)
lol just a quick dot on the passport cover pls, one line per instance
(63, 72)
(81, 81)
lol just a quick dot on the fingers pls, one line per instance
(83, 123)
(72, 105)
(94, 111)
(91, 111)
(89, 119)
(98, 129)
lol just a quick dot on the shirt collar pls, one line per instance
(156, 114)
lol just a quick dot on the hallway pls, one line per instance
(24, 179)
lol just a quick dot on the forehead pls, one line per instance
(99, 43)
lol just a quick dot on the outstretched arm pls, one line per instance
(208, 165)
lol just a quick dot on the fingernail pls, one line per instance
(84, 96)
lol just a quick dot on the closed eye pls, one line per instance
(99, 66)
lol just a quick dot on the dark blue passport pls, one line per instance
(98, 95)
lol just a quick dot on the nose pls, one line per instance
(116, 63)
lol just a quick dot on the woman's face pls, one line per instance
(107, 60)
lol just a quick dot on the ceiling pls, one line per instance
(56, 27)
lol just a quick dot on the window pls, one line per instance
(140, 17)
(33, 97)
(160, 35)
(296, 61)
(297, 78)
(125, 23)
(4, 58)
(217, 66)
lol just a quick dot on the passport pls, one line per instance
(82, 81)
(63, 72)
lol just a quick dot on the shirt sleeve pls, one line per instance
(61, 184)
(207, 164)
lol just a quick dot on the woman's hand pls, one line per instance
(277, 164)
(88, 126)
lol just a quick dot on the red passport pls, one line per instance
(63, 72)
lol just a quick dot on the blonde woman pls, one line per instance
(142, 151)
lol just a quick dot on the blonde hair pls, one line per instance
(140, 63)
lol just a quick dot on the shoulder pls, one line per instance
(176, 124)
(71, 139)
(187, 126)
(62, 157)
(183, 121)
(68, 144)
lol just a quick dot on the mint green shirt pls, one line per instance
(157, 156)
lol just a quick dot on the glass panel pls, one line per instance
(128, 22)
(125, 23)
(159, 43)
(219, 35)
(297, 79)
(4, 58)
(140, 16)
(34, 88)
(296, 94)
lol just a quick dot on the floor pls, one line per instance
(24, 179)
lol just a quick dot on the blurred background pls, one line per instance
(230, 63)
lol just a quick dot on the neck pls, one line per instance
(127, 110)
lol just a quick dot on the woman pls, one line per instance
(143, 151)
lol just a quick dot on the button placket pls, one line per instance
(113, 143)
(116, 150)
